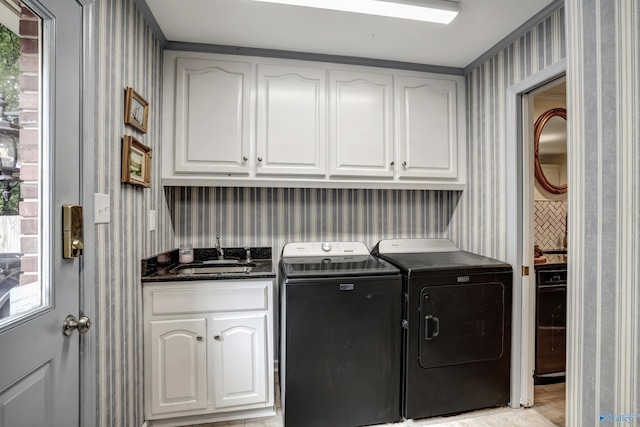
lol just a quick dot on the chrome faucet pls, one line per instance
(219, 248)
(248, 251)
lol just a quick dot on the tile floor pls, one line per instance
(550, 402)
(495, 417)
(492, 417)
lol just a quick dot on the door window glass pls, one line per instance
(24, 286)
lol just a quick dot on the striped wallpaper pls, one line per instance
(127, 55)
(481, 221)
(275, 216)
(603, 75)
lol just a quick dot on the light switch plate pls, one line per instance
(102, 208)
(152, 220)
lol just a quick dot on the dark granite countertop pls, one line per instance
(555, 251)
(552, 260)
(165, 267)
(555, 258)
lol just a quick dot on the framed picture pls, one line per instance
(136, 110)
(136, 162)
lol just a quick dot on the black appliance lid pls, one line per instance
(322, 259)
(358, 265)
(416, 263)
(434, 256)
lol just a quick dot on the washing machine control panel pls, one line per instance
(310, 249)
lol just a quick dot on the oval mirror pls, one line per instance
(550, 139)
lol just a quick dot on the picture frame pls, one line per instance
(136, 162)
(136, 110)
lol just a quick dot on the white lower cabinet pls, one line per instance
(208, 351)
(178, 365)
(237, 354)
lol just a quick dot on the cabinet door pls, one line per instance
(291, 125)
(239, 359)
(212, 116)
(361, 124)
(178, 365)
(427, 128)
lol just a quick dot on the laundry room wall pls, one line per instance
(126, 54)
(480, 224)
(603, 381)
(276, 216)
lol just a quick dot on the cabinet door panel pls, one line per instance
(428, 137)
(212, 116)
(238, 357)
(361, 135)
(178, 365)
(291, 121)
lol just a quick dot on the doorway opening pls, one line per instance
(547, 189)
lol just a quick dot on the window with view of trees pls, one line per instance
(22, 287)
(10, 91)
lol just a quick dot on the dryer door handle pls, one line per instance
(431, 327)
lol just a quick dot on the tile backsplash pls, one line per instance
(550, 222)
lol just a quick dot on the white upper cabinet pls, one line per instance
(291, 122)
(427, 128)
(212, 116)
(361, 124)
(241, 121)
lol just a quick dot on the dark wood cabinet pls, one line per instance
(551, 321)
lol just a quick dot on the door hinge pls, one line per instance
(525, 270)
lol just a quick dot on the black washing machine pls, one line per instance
(340, 336)
(457, 336)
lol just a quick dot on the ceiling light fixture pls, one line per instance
(438, 11)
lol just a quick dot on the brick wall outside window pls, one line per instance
(29, 146)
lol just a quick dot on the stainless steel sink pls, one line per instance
(223, 261)
(210, 269)
(221, 268)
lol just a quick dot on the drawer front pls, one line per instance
(207, 297)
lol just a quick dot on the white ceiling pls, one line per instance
(480, 25)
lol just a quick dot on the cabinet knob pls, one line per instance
(259, 159)
(199, 338)
(404, 164)
(245, 158)
(217, 338)
(393, 163)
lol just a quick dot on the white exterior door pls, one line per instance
(39, 374)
